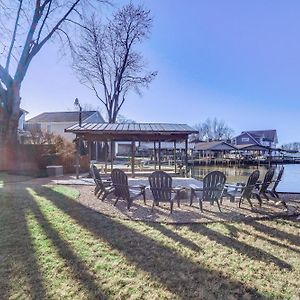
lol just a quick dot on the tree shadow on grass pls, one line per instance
(79, 270)
(17, 254)
(276, 233)
(175, 237)
(250, 251)
(234, 231)
(178, 274)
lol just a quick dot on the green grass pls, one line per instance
(53, 247)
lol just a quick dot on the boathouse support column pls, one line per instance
(132, 158)
(159, 155)
(97, 149)
(111, 155)
(106, 153)
(175, 167)
(89, 147)
(77, 158)
(155, 155)
(186, 157)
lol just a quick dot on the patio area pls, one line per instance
(185, 214)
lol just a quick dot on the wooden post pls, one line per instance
(89, 146)
(175, 157)
(155, 155)
(97, 157)
(159, 155)
(111, 156)
(77, 164)
(106, 156)
(186, 157)
(77, 158)
(132, 158)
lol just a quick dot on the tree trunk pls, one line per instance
(9, 119)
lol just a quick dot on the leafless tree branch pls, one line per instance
(107, 56)
(13, 39)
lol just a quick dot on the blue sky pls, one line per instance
(235, 60)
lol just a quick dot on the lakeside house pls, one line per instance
(266, 138)
(57, 122)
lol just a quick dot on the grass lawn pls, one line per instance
(51, 246)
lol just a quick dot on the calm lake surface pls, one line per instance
(290, 181)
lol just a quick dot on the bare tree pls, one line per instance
(107, 60)
(26, 26)
(213, 129)
(124, 119)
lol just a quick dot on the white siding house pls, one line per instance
(57, 122)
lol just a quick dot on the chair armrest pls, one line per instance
(177, 189)
(195, 187)
(137, 186)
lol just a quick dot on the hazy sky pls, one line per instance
(235, 60)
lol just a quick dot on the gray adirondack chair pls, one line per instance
(213, 186)
(103, 188)
(245, 191)
(161, 188)
(273, 191)
(263, 186)
(123, 190)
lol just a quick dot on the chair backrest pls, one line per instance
(92, 171)
(161, 186)
(213, 186)
(250, 185)
(267, 180)
(97, 178)
(278, 179)
(120, 182)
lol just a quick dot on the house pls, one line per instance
(22, 133)
(57, 122)
(266, 138)
(213, 149)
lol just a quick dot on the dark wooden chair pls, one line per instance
(103, 188)
(244, 191)
(213, 186)
(273, 191)
(263, 186)
(161, 188)
(123, 190)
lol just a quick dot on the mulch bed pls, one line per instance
(185, 214)
(188, 214)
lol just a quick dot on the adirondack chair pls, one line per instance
(263, 186)
(273, 191)
(103, 188)
(123, 190)
(213, 186)
(161, 188)
(244, 191)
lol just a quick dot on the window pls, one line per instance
(245, 139)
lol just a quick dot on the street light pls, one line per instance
(76, 103)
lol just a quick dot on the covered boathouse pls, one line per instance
(134, 132)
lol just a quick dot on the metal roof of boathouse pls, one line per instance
(124, 131)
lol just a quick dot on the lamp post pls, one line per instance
(76, 103)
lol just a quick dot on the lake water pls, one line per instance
(290, 181)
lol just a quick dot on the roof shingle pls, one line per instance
(68, 116)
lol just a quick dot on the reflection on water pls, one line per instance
(290, 181)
